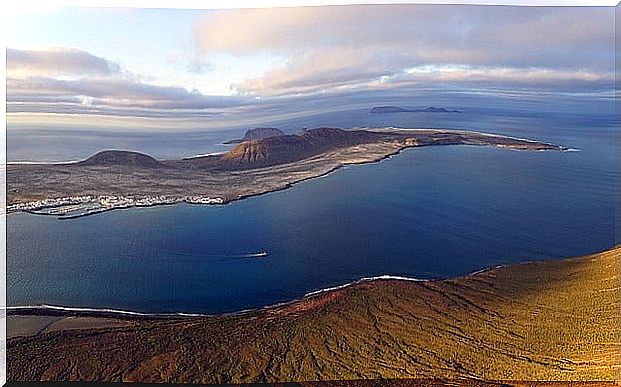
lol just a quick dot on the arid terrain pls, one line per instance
(250, 168)
(550, 320)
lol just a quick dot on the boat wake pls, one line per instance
(261, 254)
(214, 257)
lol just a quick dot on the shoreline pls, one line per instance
(104, 312)
(540, 320)
(40, 310)
(224, 201)
(368, 128)
(134, 201)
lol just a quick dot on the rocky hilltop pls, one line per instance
(121, 158)
(258, 134)
(288, 148)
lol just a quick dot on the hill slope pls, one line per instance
(552, 320)
(121, 158)
(258, 134)
(288, 148)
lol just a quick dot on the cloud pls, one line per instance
(57, 62)
(330, 50)
(76, 81)
(86, 101)
(114, 92)
(447, 33)
(347, 46)
(314, 71)
(343, 71)
(509, 77)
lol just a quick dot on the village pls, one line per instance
(77, 206)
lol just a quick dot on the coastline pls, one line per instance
(221, 201)
(92, 204)
(60, 310)
(552, 320)
(85, 311)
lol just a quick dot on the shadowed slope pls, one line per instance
(288, 148)
(553, 320)
(121, 158)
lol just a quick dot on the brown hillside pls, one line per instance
(552, 320)
(121, 158)
(283, 149)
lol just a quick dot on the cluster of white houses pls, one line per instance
(107, 202)
(49, 203)
(203, 200)
(128, 201)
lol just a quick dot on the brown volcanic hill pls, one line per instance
(288, 148)
(121, 158)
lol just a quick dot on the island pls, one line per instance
(397, 109)
(548, 320)
(120, 179)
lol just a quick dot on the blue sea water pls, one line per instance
(433, 212)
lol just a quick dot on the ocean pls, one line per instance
(435, 212)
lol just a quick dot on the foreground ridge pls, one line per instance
(551, 320)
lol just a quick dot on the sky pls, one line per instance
(108, 63)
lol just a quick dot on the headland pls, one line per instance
(120, 179)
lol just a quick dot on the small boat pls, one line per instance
(261, 254)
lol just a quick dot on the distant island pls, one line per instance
(258, 134)
(119, 179)
(550, 320)
(397, 109)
